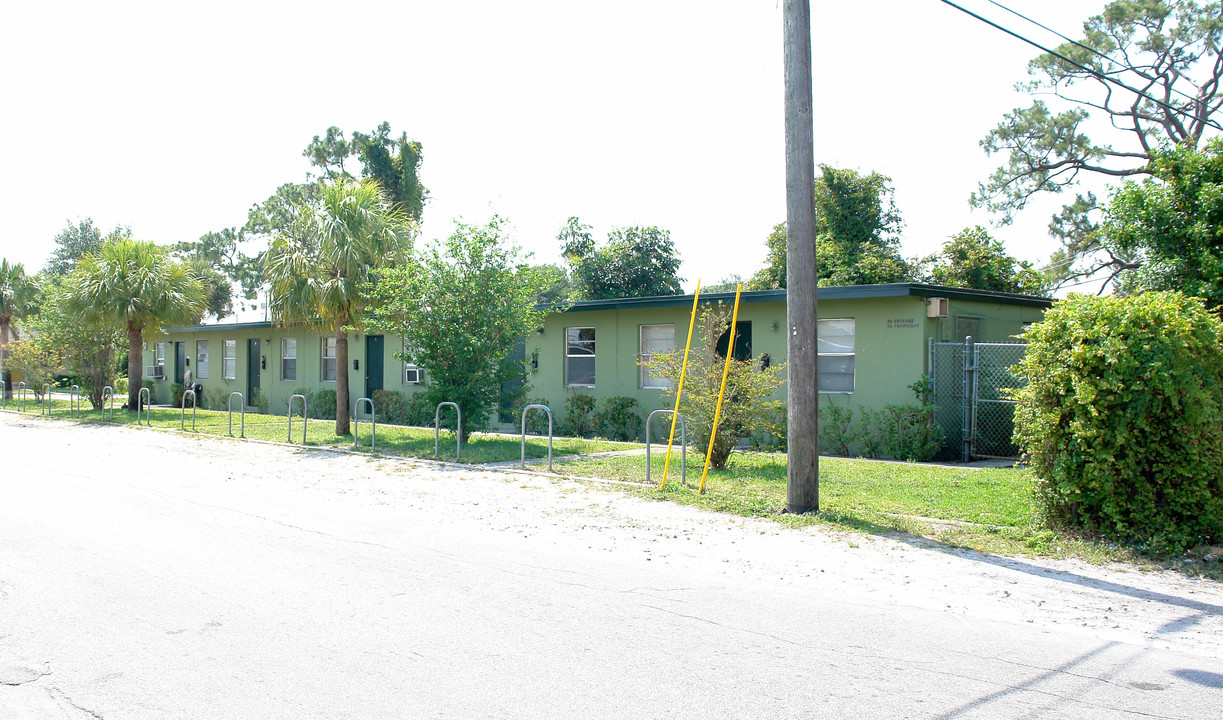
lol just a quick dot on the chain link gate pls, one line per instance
(993, 412)
(968, 389)
(947, 395)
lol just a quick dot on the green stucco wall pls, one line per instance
(892, 336)
(891, 345)
(278, 390)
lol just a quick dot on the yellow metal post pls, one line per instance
(730, 352)
(680, 390)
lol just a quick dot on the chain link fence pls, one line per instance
(970, 391)
(993, 411)
(947, 396)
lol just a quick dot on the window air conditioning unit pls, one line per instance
(936, 307)
(413, 376)
(155, 371)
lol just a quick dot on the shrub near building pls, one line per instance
(1122, 418)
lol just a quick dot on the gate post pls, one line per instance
(968, 385)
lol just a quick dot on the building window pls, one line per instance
(654, 340)
(328, 359)
(412, 375)
(580, 357)
(836, 356)
(201, 359)
(229, 359)
(159, 354)
(288, 358)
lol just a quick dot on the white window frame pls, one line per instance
(201, 359)
(827, 322)
(326, 343)
(229, 359)
(284, 356)
(592, 354)
(412, 375)
(159, 354)
(646, 380)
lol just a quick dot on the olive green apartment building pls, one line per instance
(873, 344)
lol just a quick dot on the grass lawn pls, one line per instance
(986, 510)
(392, 439)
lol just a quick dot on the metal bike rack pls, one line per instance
(291, 399)
(74, 401)
(182, 412)
(45, 406)
(458, 431)
(683, 445)
(143, 400)
(108, 393)
(373, 425)
(229, 405)
(548, 410)
(5, 391)
(21, 397)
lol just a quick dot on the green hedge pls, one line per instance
(1121, 418)
(398, 408)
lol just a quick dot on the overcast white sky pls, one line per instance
(174, 118)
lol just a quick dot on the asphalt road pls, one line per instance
(148, 575)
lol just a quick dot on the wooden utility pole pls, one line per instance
(802, 410)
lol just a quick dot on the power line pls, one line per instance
(1088, 48)
(1090, 71)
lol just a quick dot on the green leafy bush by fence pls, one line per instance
(1122, 418)
(901, 432)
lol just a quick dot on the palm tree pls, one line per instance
(18, 299)
(318, 265)
(137, 286)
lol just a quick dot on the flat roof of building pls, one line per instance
(843, 292)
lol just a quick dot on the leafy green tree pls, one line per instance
(136, 286)
(773, 275)
(35, 360)
(1170, 51)
(747, 406)
(68, 342)
(1171, 226)
(221, 262)
(973, 259)
(238, 252)
(278, 211)
(857, 230)
(726, 284)
(634, 262)
(19, 296)
(75, 242)
(218, 289)
(462, 307)
(319, 267)
(557, 290)
(393, 162)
